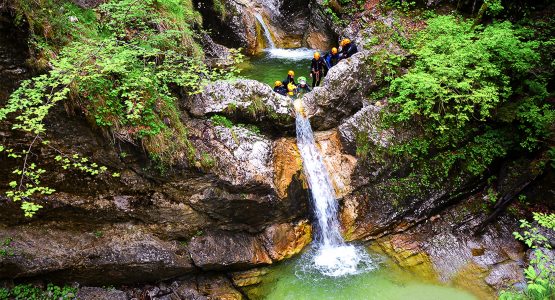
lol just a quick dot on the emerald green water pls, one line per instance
(274, 64)
(290, 281)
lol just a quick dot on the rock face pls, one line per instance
(291, 22)
(125, 254)
(288, 163)
(343, 92)
(445, 249)
(221, 250)
(13, 54)
(247, 100)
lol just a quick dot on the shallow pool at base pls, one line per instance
(288, 281)
(273, 65)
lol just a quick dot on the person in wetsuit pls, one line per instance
(290, 78)
(317, 67)
(331, 59)
(348, 49)
(279, 88)
(302, 87)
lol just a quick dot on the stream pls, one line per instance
(330, 268)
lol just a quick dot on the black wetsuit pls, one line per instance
(317, 71)
(289, 79)
(348, 50)
(281, 90)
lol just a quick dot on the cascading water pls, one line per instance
(331, 255)
(267, 33)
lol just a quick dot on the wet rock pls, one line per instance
(446, 249)
(288, 162)
(218, 287)
(217, 250)
(285, 240)
(249, 277)
(231, 21)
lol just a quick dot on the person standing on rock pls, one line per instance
(331, 59)
(317, 67)
(348, 48)
(290, 78)
(279, 88)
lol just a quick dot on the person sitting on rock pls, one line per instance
(317, 69)
(302, 87)
(331, 59)
(279, 88)
(291, 89)
(348, 48)
(290, 78)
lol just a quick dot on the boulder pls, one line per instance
(282, 241)
(363, 126)
(224, 250)
(247, 100)
(236, 155)
(343, 92)
(217, 250)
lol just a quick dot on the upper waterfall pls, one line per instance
(267, 33)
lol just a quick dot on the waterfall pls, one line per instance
(332, 257)
(267, 34)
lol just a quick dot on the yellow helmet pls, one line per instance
(278, 83)
(291, 73)
(345, 42)
(317, 55)
(333, 50)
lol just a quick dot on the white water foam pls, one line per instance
(331, 256)
(291, 54)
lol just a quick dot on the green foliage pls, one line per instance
(220, 120)
(122, 66)
(540, 274)
(470, 97)
(6, 248)
(403, 6)
(30, 292)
